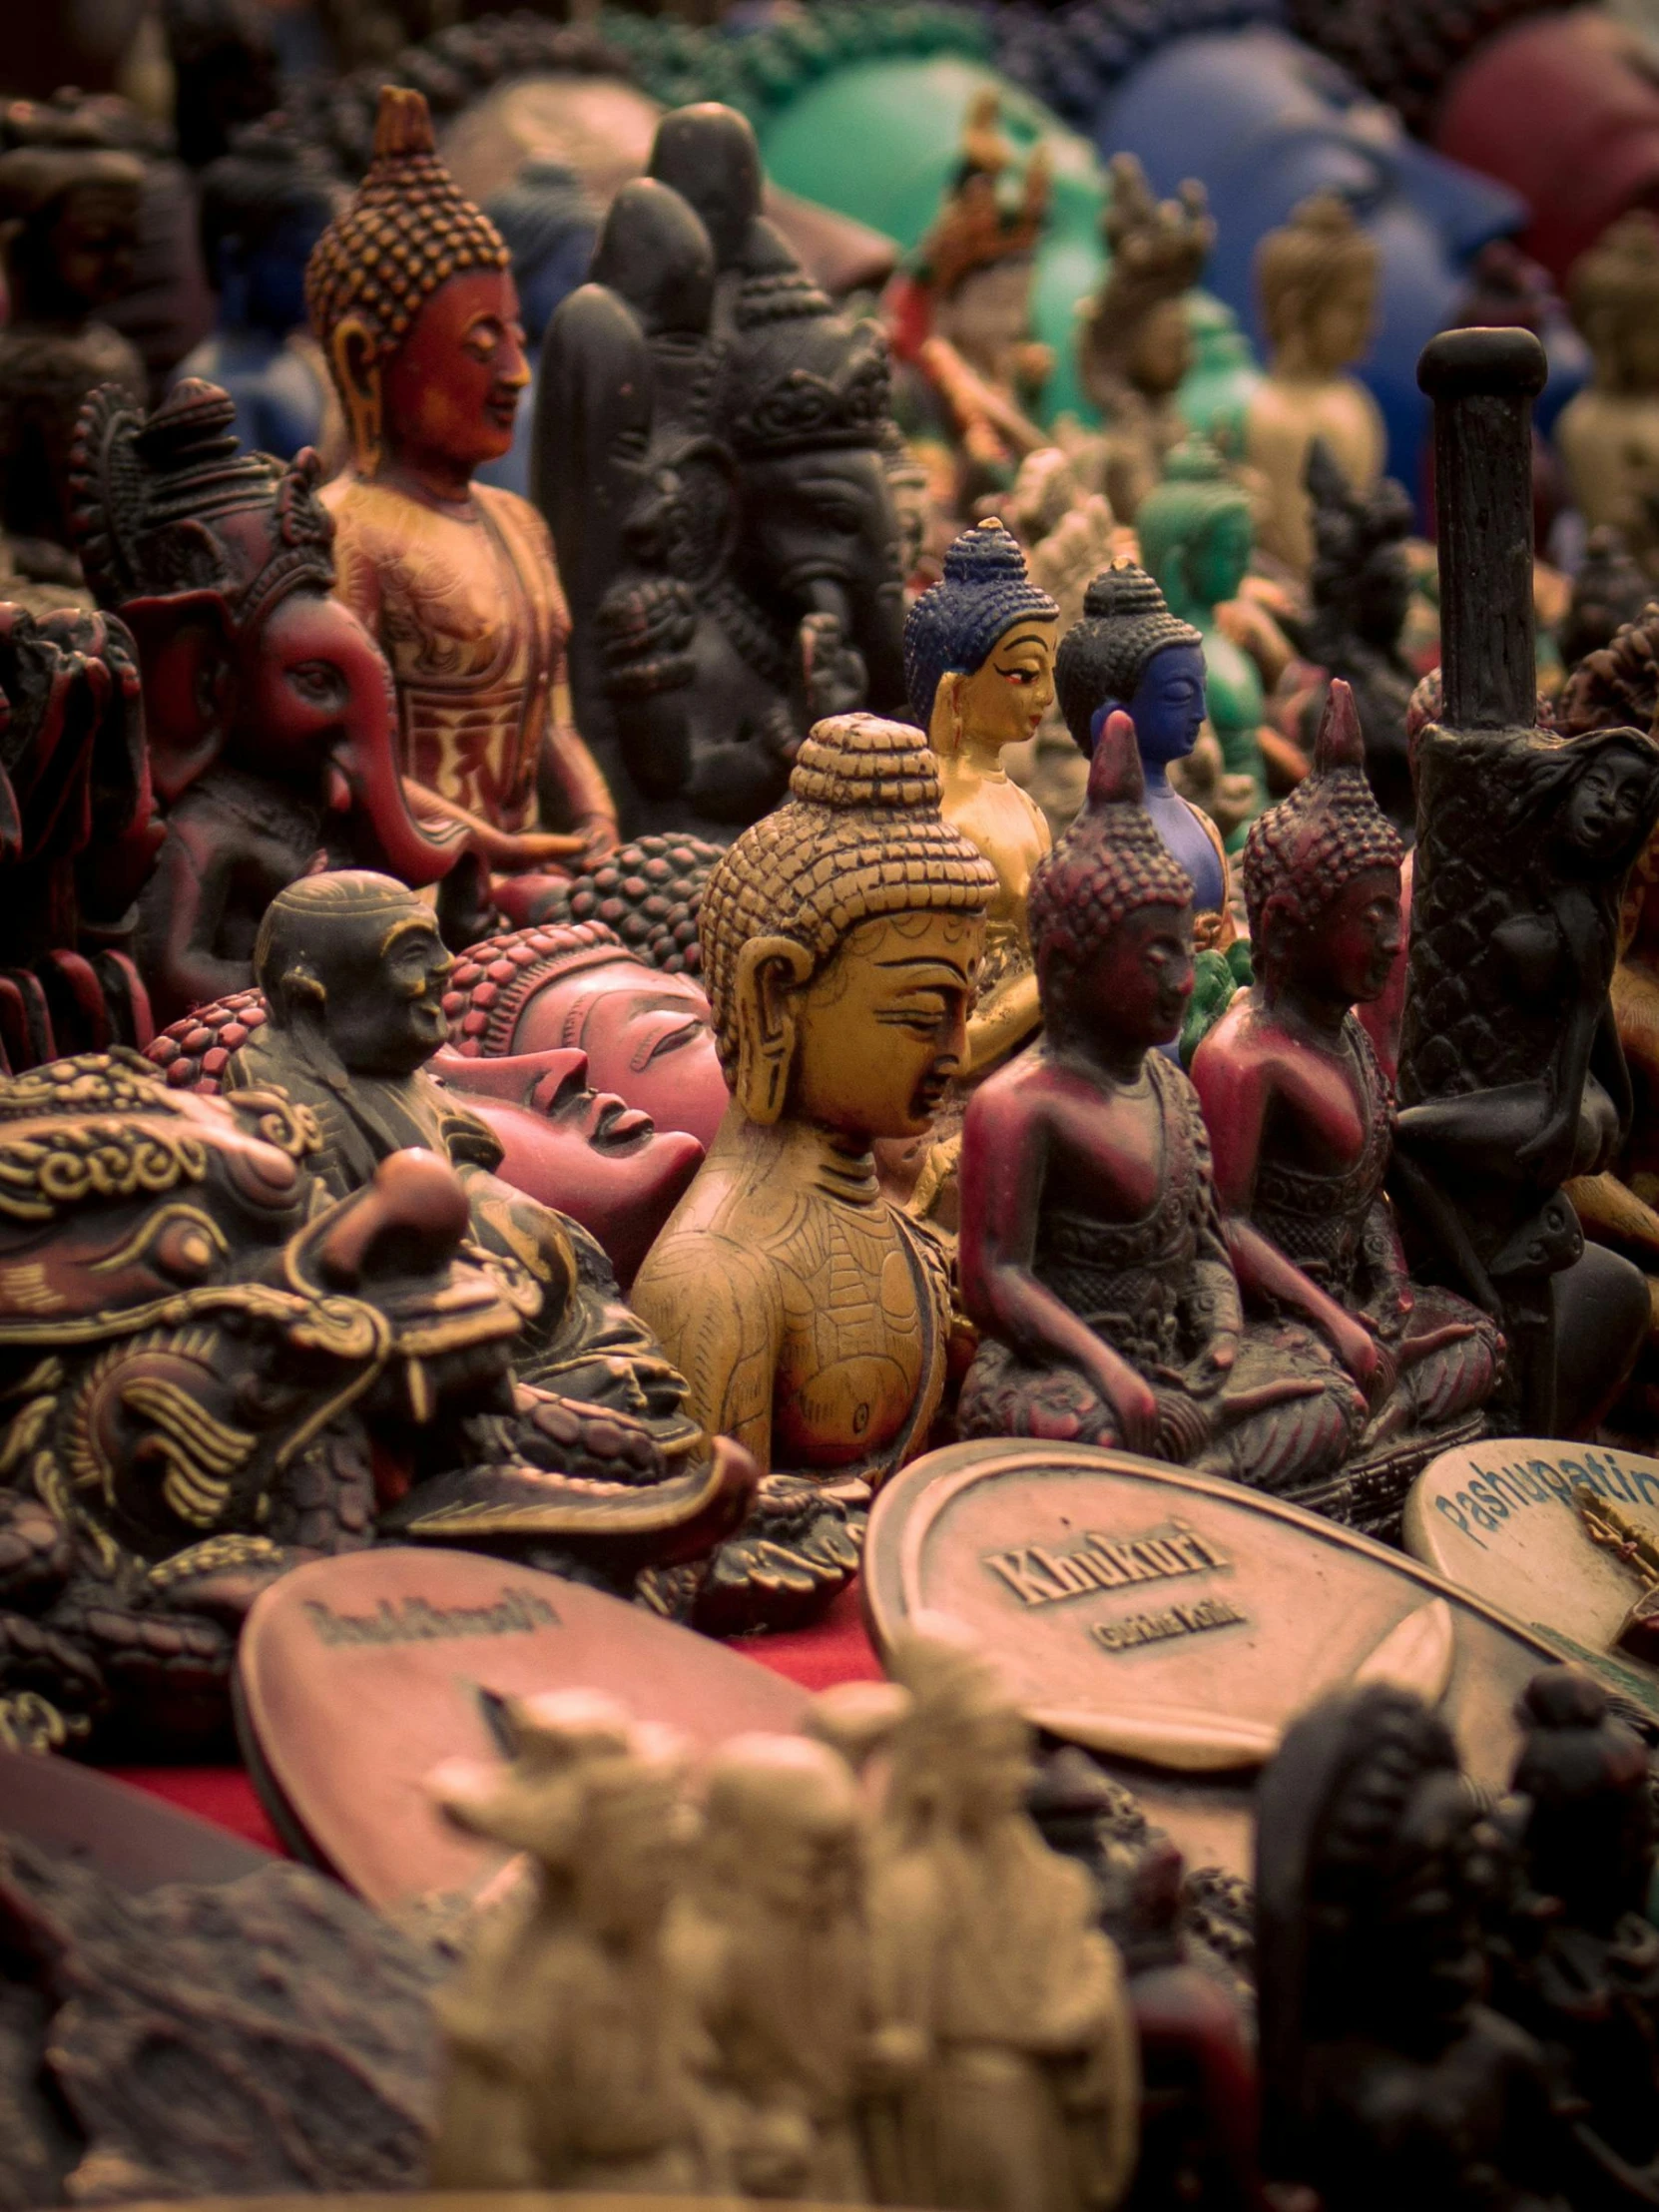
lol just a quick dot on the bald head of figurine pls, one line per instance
(781, 1824)
(354, 961)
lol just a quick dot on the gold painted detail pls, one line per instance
(93, 1159)
(1038, 1576)
(29, 1722)
(201, 1452)
(212, 1557)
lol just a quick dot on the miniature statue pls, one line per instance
(1317, 278)
(769, 1944)
(1609, 434)
(1129, 654)
(411, 299)
(962, 318)
(547, 222)
(841, 940)
(264, 204)
(1385, 2079)
(979, 653)
(1301, 1122)
(567, 2055)
(713, 454)
(1511, 1076)
(266, 702)
(1092, 1253)
(1133, 347)
(1609, 590)
(1196, 536)
(1026, 2087)
(79, 837)
(70, 201)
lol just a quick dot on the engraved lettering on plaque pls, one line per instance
(1494, 1494)
(1040, 1576)
(1176, 1620)
(412, 1620)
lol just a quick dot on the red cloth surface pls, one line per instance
(836, 1650)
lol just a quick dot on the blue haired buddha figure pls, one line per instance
(979, 670)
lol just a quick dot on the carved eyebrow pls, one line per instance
(941, 974)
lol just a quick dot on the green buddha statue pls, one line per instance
(1196, 539)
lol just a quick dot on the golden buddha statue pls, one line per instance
(841, 938)
(412, 297)
(1317, 276)
(980, 663)
(1608, 433)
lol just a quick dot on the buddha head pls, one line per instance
(842, 938)
(222, 565)
(1135, 330)
(1321, 875)
(1582, 1773)
(68, 200)
(352, 964)
(1613, 293)
(1130, 653)
(264, 204)
(411, 299)
(1110, 912)
(980, 258)
(1360, 580)
(1317, 276)
(979, 647)
(1195, 529)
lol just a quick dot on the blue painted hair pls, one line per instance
(985, 591)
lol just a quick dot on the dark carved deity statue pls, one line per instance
(712, 451)
(1300, 1120)
(69, 210)
(1093, 1254)
(1512, 1075)
(266, 702)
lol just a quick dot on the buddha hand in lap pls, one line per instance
(1092, 1252)
(1300, 1114)
(842, 940)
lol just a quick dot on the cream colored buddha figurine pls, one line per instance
(1608, 433)
(979, 664)
(841, 938)
(412, 297)
(1317, 277)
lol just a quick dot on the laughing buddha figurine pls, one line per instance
(410, 295)
(841, 940)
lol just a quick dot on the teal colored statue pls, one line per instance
(1196, 537)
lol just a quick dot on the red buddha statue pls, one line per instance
(1300, 1120)
(412, 297)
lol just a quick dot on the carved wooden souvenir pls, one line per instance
(1133, 347)
(412, 297)
(69, 199)
(1386, 2078)
(1566, 1538)
(1511, 1077)
(1609, 434)
(841, 939)
(979, 657)
(1092, 1254)
(1129, 652)
(359, 1675)
(1176, 1624)
(266, 702)
(1300, 1121)
(713, 453)
(1317, 279)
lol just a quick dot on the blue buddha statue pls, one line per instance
(264, 206)
(1129, 654)
(548, 223)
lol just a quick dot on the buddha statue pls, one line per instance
(1134, 345)
(1092, 1254)
(264, 204)
(266, 702)
(69, 215)
(1300, 1120)
(412, 301)
(1609, 434)
(979, 653)
(842, 940)
(1196, 536)
(1316, 277)
(1130, 654)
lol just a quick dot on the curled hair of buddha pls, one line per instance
(859, 835)
(1126, 620)
(1108, 864)
(1320, 244)
(1311, 846)
(408, 229)
(983, 592)
(1617, 684)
